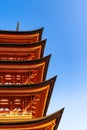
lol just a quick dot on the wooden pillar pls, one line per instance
(14, 79)
(11, 105)
(3, 79)
(20, 78)
(23, 103)
(0, 79)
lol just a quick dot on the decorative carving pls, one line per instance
(30, 56)
(32, 75)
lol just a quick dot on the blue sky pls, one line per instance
(65, 27)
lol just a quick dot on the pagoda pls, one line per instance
(24, 91)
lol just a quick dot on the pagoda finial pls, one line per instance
(17, 27)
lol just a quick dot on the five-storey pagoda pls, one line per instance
(24, 92)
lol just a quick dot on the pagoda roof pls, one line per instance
(50, 122)
(35, 69)
(40, 92)
(20, 36)
(20, 51)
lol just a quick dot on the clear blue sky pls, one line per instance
(65, 27)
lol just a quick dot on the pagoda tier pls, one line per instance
(21, 36)
(30, 101)
(50, 122)
(22, 51)
(23, 72)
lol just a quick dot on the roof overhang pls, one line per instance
(20, 51)
(21, 36)
(50, 122)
